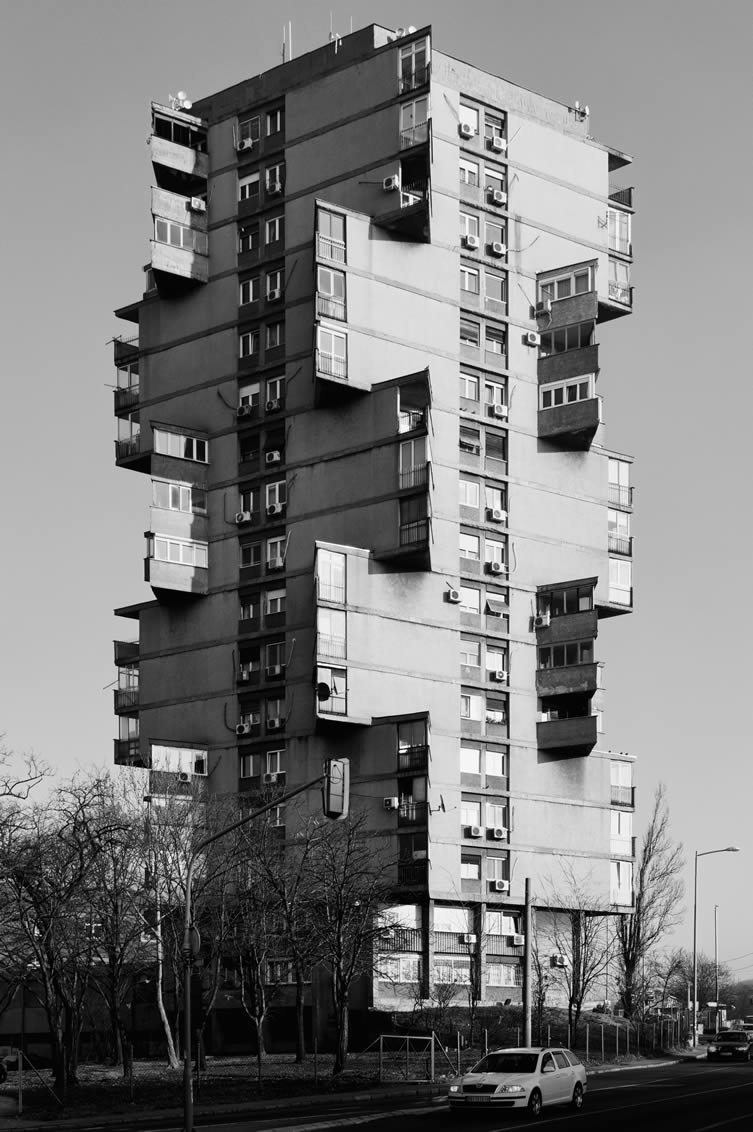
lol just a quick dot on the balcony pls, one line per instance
(126, 398)
(412, 874)
(410, 218)
(125, 350)
(623, 197)
(569, 363)
(415, 135)
(451, 943)
(580, 626)
(622, 796)
(330, 591)
(330, 249)
(178, 150)
(180, 261)
(400, 939)
(573, 425)
(128, 753)
(334, 648)
(126, 652)
(502, 945)
(412, 813)
(125, 699)
(334, 380)
(416, 476)
(621, 495)
(620, 544)
(569, 679)
(568, 311)
(415, 534)
(572, 736)
(415, 80)
(413, 759)
(410, 419)
(330, 306)
(178, 577)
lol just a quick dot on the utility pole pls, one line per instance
(527, 953)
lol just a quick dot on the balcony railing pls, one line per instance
(414, 477)
(330, 307)
(620, 244)
(620, 293)
(621, 544)
(618, 493)
(330, 248)
(622, 846)
(414, 135)
(126, 652)
(127, 751)
(331, 646)
(400, 939)
(623, 795)
(449, 943)
(335, 705)
(125, 349)
(330, 591)
(413, 533)
(408, 419)
(412, 813)
(126, 698)
(412, 192)
(419, 78)
(621, 196)
(411, 874)
(126, 398)
(131, 446)
(331, 365)
(413, 758)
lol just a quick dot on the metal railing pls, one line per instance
(126, 698)
(621, 196)
(416, 476)
(415, 135)
(131, 446)
(419, 78)
(329, 248)
(412, 813)
(408, 419)
(331, 646)
(411, 873)
(413, 758)
(330, 591)
(126, 651)
(414, 533)
(620, 494)
(414, 191)
(331, 365)
(330, 307)
(127, 751)
(335, 705)
(126, 398)
(620, 293)
(623, 795)
(621, 544)
(400, 939)
(449, 943)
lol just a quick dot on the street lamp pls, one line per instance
(705, 853)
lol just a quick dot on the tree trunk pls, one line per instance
(172, 1057)
(260, 1050)
(341, 1023)
(300, 1029)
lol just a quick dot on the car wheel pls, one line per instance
(3, 1073)
(534, 1104)
(578, 1096)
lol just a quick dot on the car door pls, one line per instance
(565, 1076)
(548, 1074)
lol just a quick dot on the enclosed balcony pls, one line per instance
(572, 424)
(622, 795)
(568, 679)
(126, 652)
(412, 813)
(179, 150)
(174, 564)
(407, 212)
(128, 753)
(414, 759)
(566, 363)
(336, 379)
(412, 874)
(574, 735)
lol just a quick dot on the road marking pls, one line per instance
(352, 1121)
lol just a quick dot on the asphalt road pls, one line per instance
(694, 1097)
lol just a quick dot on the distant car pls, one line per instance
(730, 1045)
(527, 1078)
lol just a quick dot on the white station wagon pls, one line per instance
(521, 1078)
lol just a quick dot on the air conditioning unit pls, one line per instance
(242, 517)
(468, 937)
(197, 204)
(419, 854)
(275, 509)
(498, 196)
(274, 188)
(273, 671)
(498, 248)
(500, 411)
(273, 405)
(391, 803)
(544, 717)
(275, 563)
(499, 676)
(475, 831)
(542, 621)
(391, 184)
(518, 940)
(245, 143)
(495, 568)
(184, 776)
(499, 145)
(275, 723)
(543, 306)
(496, 515)
(453, 597)
(557, 961)
(243, 729)
(466, 130)
(244, 411)
(273, 457)
(269, 779)
(499, 833)
(500, 886)
(531, 338)
(471, 241)
(274, 295)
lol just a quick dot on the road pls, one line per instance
(691, 1097)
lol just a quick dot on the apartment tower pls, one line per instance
(384, 521)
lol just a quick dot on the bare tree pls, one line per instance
(18, 781)
(658, 893)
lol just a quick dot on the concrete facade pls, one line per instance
(385, 524)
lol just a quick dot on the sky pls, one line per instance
(668, 82)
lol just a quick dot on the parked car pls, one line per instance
(528, 1078)
(730, 1045)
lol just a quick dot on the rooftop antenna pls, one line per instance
(179, 101)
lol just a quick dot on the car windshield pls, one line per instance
(507, 1063)
(733, 1036)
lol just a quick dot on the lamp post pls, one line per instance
(705, 853)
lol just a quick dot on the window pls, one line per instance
(577, 282)
(180, 551)
(469, 547)
(621, 882)
(469, 279)
(470, 440)
(619, 231)
(275, 335)
(413, 462)
(494, 125)
(248, 187)
(248, 238)
(470, 760)
(494, 180)
(495, 288)
(470, 332)
(250, 130)
(276, 492)
(246, 766)
(275, 388)
(568, 599)
(620, 581)
(248, 449)
(336, 681)
(330, 629)
(470, 600)
(330, 287)
(469, 493)
(621, 833)
(495, 551)
(621, 780)
(174, 760)
(250, 554)
(248, 343)
(494, 498)
(274, 283)
(495, 233)
(276, 552)
(469, 224)
(501, 923)
(494, 393)
(469, 172)
(469, 385)
(470, 869)
(181, 446)
(330, 575)
(496, 815)
(412, 64)
(179, 236)
(249, 608)
(274, 121)
(274, 229)
(619, 281)
(495, 339)
(567, 392)
(276, 656)
(171, 496)
(618, 527)
(414, 127)
(567, 653)
(468, 116)
(496, 446)
(249, 290)
(399, 969)
(331, 235)
(470, 653)
(496, 604)
(496, 660)
(275, 602)
(504, 975)
(470, 812)
(471, 706)
(496, 763)
(575, 337)
(332, 356)
(496, 710)
(274, 178)
(620, 492)
(497, 868)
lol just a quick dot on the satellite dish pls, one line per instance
(187, 104)
(182, 95)
(577, 103)
(323, 692)
(586, 111)
(411, 29)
